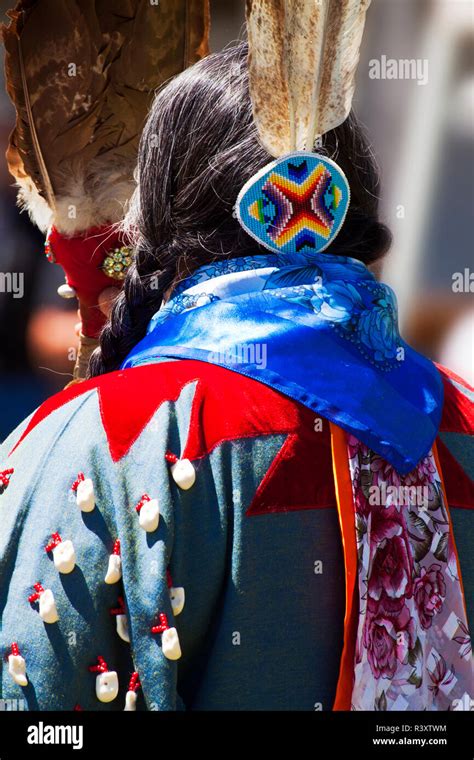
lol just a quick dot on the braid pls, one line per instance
(198, 148)
(132, 310)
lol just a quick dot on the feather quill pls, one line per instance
(303, 55)
(82, 74)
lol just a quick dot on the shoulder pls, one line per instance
(115, 408)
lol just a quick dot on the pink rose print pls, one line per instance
(383, 472)
(391, 569)
(388, 635)
(429, 590)
(424, 472)
(356, 447)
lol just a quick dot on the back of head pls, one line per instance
(198, 148)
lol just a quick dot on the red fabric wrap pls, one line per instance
(81, 257)
(215, 417)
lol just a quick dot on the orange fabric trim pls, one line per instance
(440, 472)
(345, 509)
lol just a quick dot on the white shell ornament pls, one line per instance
(17, 666)
(121, 620)
(130, 702)
(170, 644)
(84, 489)
(106, 682)
(148, 513)
(114, 569)
(122, 628)
(106, 686)
(177, 599)
(47, 605)
(176, 594)
(182, 471)
(64, 555)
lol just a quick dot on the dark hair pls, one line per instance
(198, 148)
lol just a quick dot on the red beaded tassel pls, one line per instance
(134, 683)
(55, 540)
(131, 696)
(15, 650)
(38, 591)
(80, 478)
(120, 610)
(101, 666)
(5, 476)
(142, 501)
(169, 640)
(163, 625)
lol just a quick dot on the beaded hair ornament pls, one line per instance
(297, 203)
(302, 61)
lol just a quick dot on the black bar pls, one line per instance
(324, 735)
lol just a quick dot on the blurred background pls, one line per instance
(415, 95)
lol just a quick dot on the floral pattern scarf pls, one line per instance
(413, 648)
(330, 332)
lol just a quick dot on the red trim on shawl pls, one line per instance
(458, 409)
(129, 398)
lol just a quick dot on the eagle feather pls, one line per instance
(303, 55)
(82, 74)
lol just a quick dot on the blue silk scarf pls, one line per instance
(318, 328)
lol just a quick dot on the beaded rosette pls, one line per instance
(297, 203)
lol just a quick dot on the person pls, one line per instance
(220, 501)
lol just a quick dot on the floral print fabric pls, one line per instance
(413, 647)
